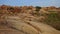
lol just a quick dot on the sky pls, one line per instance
(31, 2)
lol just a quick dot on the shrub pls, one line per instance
(37, 8)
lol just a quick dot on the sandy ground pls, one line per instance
(6, 30)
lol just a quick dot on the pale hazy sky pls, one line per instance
(31, 2)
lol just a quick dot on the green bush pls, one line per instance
(37, 8)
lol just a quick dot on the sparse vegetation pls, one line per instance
(11, 8)
(53, 19)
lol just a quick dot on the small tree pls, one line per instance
(37, 8)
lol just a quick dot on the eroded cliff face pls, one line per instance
(31, 20)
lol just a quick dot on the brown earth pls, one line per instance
(28, 13)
